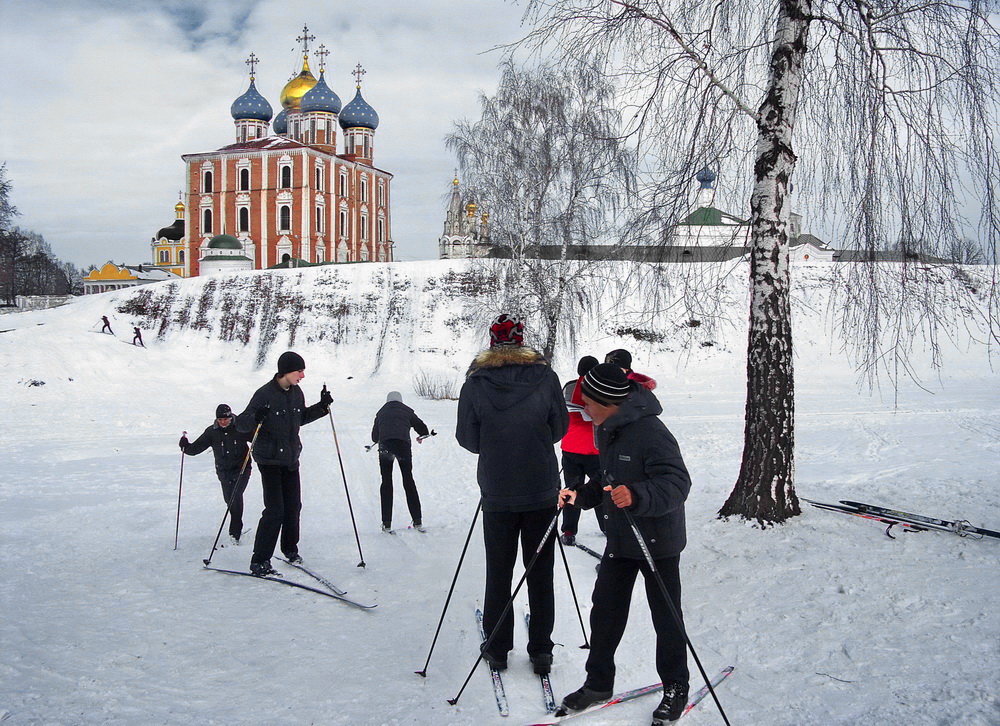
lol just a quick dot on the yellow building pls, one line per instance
(168, 245)
(118, 277)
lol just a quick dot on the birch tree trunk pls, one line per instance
(765, 489)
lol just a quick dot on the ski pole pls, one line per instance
(507, 607)
(423, 673)
(246, 460)
(562, 551)
(347, 491)
(673, 608)
(180, 485)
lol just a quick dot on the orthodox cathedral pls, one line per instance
(282, 194)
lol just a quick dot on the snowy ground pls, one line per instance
(825, 618)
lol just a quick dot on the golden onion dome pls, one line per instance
(471, 208)
(295, 89)
(179, 207)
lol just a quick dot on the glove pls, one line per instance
(184, 443)
(260, 414)
(325, 398)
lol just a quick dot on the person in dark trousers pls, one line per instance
(279, 408)
(137, 337)
(511, 413)
(623, 359)
(644, 473)
(107, 325)
(230, 448)
(579, 454)
(391, 431)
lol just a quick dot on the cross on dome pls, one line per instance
(305, 39)
(358, 72)
(322, 53)
(252, 61)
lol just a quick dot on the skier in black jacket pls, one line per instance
(391, 431)
(279, 408)
(511, 411)
(230, 447)
(644, 473)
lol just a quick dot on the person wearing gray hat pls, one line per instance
(230, 448)
(391, 431)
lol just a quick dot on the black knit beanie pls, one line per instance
(606, 384)
(620, 357)
(585, 364)
(290, 361)
(223, 411)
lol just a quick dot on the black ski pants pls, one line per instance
(609, 615)
(282, 505)
(576, 469)
(233, 486)
(501, 532)
(399, 451)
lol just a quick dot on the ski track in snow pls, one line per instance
(826, 619)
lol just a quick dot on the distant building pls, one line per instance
(466, 233)
(169, 244)
(223, 253)
(291, 193)
(118, 277)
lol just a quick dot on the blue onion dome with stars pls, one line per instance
(251, 105)
(321, 98)
(358, 113)
(706, 177)
(281, 122)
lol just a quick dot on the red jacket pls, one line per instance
(579, 438)
(645, 381)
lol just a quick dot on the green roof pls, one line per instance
(710, 217)
(227, 258)
(224, 242)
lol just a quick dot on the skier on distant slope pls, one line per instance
(644, 474)
(279, 408)
(579, 454)
(137, 337)
(391, 431)
(230, 448)
(511, 412)
(107, 325)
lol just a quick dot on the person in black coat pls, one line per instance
(232, 465)
(644, 473)
(278, 408)
(511, 412)
(391, 431)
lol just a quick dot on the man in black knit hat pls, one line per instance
(511, 412)
(643, 473)
(278, 408)
(230, 448)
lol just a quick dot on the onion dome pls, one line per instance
(358, 113)
(251, 105)
(706, 177)
(224, 242)
(281, 122)
(321, 98)
(471, 208)
(173, 233)
(295, 89)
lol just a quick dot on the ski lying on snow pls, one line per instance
(315, 575)
(960, 527)
(548, 697)
(299, 585)
(907, 526)
(498, 691)
(693, 701)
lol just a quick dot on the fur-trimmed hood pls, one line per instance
(508, 373)
(506, 355)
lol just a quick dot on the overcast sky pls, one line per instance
(99, 99)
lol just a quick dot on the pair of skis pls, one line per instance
(548, 697)
(331, 591)
(906, 520)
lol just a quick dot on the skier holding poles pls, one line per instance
(230, 448)
(391, 431)
(645, 483)
(510, 412)
(278, 407)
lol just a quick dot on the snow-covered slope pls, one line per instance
(826, 619)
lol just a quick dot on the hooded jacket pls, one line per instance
(394, 421)
(278, 441)
(579, 438)
(511, 412)
(638, 450)
(228, 445)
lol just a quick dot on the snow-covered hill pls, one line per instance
(826, 619)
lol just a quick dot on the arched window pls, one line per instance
(319, 220)
(343, 185)
(343, 222)
(381, 194)
(286, 177)
(381, 229)
(364, 189)
(244, 219)
(164, 256)
(206, 182)
(180, 257)
(367, 148)
(206, 222)
(244, 180)
(285, 218)
(319, 178)
(364, 226)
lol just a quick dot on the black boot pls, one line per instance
(671, 708)
(263, 569)
(583, 697)
(541, 663)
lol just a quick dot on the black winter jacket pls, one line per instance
(228, 444)
(278, 442)
(394, 421)
(511, 411)
(638, 450)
